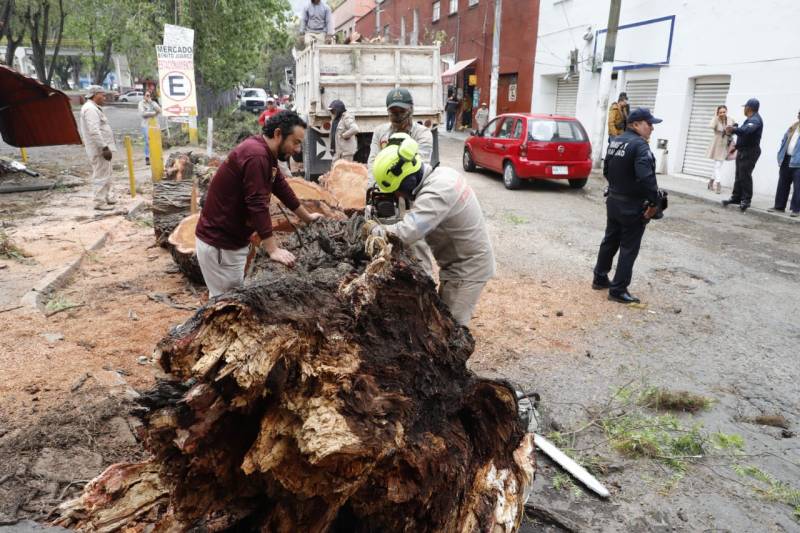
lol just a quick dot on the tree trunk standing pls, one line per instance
(9, 20)
(38, 22)
(333, 396)
(101, 67)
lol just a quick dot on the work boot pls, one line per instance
(743, 207)
(111, 200)
(726, 203)
(622, 297)
(103, 207)
(599, 283)
(776, 210)
(147, 161)
(794, 214)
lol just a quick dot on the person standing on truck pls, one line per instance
(344, 142)
(316, 23)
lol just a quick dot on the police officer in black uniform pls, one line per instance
(630, 169)
(748, 150)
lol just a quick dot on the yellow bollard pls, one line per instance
(131, 177)
(193, 139)
(24, 153)
(156, 158)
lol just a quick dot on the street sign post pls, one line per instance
(176, 77)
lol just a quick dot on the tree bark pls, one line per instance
(333, 396)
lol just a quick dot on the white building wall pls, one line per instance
(757, 45)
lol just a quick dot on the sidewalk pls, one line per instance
(688, 186)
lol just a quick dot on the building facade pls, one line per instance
(465, 30)
(347, 13)
(682, 59)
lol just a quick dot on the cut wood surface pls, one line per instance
(347, 181)
(333, 396)
(182, 248)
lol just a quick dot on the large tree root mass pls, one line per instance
(331, 397)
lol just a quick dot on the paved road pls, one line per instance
(721, 289)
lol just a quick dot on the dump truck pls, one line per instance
(361, 75)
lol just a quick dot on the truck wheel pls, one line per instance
(578, 184)
(466, 160)
(510, 179)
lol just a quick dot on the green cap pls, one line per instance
(399, 98)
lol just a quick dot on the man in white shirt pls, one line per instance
(789, 174)
(98, 139)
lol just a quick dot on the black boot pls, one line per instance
(599, 283)
(147, 161)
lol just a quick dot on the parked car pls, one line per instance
(253, 99)
(132, 96)
(527, 146)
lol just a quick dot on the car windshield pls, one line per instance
(555, 130)
(251, 94)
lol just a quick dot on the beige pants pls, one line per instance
(461, 297)
(222, 270)
(311, 36)
(102, 177)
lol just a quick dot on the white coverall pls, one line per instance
(446, 214)
(424, 138)
(96, 133)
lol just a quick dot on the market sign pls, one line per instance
(176, 73)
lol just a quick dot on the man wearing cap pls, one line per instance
(400, 106)
(748, 150)
(446, 214)
(270, 110)
(482, 116)
(630, 169)
(98, 139)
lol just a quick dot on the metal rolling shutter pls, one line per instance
(642, 93)
(567, 97)
(707, 96)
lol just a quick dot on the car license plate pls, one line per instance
(560, 171)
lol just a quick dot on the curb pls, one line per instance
(36, 298)
(758, 212)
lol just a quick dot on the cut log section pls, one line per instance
(182, 248)
(347, 181)
(333, 396)
(171, 204)
(313, 197)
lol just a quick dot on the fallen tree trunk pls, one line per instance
(182, 248)
(330, 397)
(171, 203)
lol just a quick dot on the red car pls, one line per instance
(526, 146)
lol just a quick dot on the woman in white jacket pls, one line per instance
(720, 146)
(344, 141)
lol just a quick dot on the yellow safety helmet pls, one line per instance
(397, 161)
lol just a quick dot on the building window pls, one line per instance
(436, 11)
(473, 3)
(453, 6)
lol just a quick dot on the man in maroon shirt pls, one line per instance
(237, 203)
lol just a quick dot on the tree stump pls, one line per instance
(333, 396)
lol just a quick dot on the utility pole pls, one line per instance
(598, 142)
(378, 17)
(498, 12)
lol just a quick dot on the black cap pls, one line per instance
(399, 97)
(622, 95)
(642, 113)
(753, 104)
